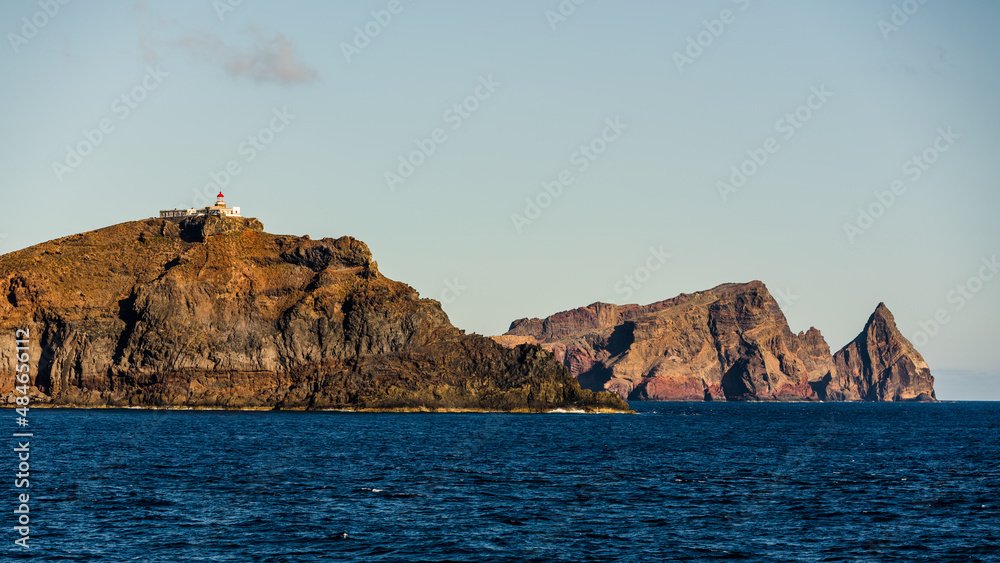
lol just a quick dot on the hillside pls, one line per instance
(215, 312)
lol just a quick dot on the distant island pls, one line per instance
(731, 343)
(202, 309)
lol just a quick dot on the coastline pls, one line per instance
(415, 410)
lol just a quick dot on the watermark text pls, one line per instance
(580, 161)
(22, 377)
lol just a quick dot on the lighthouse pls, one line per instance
(218, 210)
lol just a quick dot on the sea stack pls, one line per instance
(880, 365)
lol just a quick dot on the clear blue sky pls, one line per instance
(198, 81)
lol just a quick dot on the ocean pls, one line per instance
(766, 482)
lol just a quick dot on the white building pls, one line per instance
(219, 209)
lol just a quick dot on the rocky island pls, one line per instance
(731, 342)
(212, 312)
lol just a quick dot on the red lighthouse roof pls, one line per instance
(220, 195)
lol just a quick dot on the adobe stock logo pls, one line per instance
(581, 159)
(914, 169)
(122, 107)
(453, 289)
(224, 7)
(634, 281)
(900, 16)
(455, 116)
(958, 297)
(365, 34)
(31, 27)
(785, 297)
(562, 13)
(699, 42)
(788, 126)
(248, 149)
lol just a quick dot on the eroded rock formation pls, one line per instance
(214, 312)
(880, 365)
(731, 342)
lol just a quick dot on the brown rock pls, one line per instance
(216, 313)
(731, 342)
(881, 365)
(199, 227)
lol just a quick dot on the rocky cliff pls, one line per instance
(213, 312)
(880, 365)
(732, 343)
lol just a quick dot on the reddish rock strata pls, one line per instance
(732, 343)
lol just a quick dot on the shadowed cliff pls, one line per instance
(214, 312)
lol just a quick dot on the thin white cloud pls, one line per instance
(265, 56)
(268, 57)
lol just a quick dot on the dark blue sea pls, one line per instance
(677, 482)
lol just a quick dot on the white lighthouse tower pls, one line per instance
(219, 210)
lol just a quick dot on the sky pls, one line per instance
(515, 159)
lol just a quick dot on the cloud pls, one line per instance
(932, 60)
(141, 10)
(268, 58)
(265, 57)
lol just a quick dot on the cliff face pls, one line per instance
(731, 342)
(881, 365)
(216, 313)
